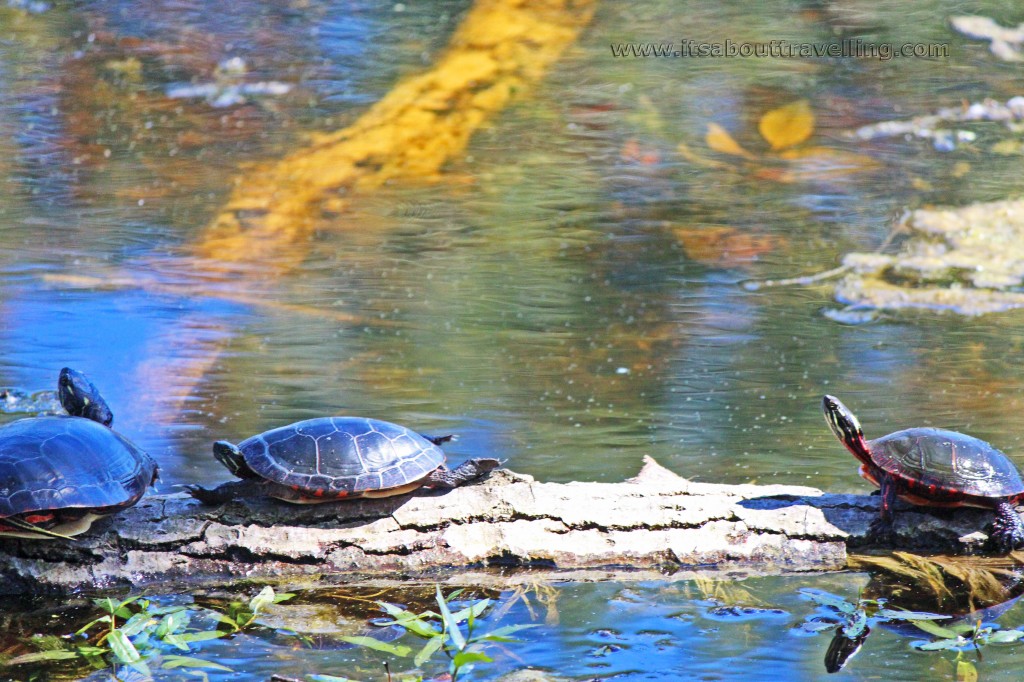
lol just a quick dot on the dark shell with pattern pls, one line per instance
(49, 463)
(936, 461)
(341, 456)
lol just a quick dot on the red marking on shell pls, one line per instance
(38, 518)
(319, 492)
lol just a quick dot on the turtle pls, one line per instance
(59, 473)
(336, 458)
(935, 468)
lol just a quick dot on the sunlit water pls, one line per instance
(551, 301)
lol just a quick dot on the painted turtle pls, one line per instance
(936, 468)
(333, 458)
(58, 474)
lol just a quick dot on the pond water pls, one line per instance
(568, 296)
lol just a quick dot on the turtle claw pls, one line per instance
(205, 495)
(882, 531)
(1007, 529)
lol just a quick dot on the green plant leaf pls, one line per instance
(175, 641)
(428, 650)
(175, 661)
(88, 626)
(943, 644)
(464, 657)
(1005, 636)
(122, 647)
(227, 620)
(282, 596)
(472, 611)
(42, 656)
(825, 599)
(173, 623)
(164, 610)
(122, 610)
(135, 624)
(965, 671)
(203, 636)
(450, 624)
(399, 650)
(935, 630)
(892, 614)
(262, 600)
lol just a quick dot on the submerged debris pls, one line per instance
(968, 260)
(1005, 42)
(931, 126)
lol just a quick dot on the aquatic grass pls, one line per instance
(454, 633)
(138, 634)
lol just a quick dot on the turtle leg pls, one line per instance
(1007, 528)
(470, 470)
(881, 528)
(225, 492)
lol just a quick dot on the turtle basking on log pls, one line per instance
(58, 474)
(336, 458)
(934, 468)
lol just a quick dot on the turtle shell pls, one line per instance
(49, 463)
(341, 456)
(951, 462)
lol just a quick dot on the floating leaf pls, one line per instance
(943, 644)
(399, 650)
(893, 614)
(719, 139)
(1005, 636)
(788, 125)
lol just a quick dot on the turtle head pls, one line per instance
(80, 398)
(845, 426)
(231, 457)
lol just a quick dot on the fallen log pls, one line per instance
(657, 520)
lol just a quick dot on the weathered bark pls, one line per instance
(657, 520)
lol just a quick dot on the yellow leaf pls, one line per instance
(966, 672)
(721, 141)
(788, 125)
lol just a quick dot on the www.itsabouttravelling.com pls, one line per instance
(780, 49)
